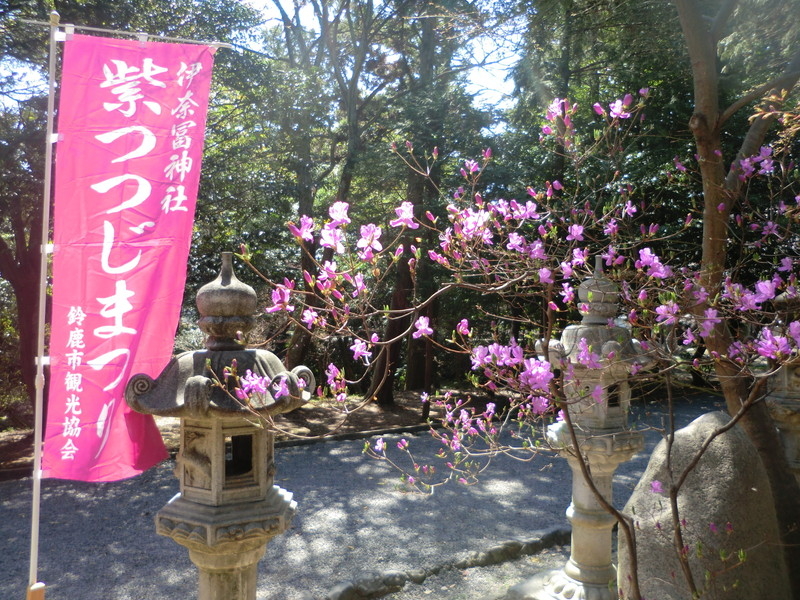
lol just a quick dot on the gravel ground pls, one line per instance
(354, 525)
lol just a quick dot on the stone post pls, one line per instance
(783, 396)
(598, 397)
(227, 509)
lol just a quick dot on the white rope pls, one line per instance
(69, 28)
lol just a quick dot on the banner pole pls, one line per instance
(36, 589)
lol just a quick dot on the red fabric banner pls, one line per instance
(131, 122)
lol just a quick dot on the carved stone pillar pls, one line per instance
(595, 356)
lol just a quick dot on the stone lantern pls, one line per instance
(595, 357)
(228, 508)
(783, 395)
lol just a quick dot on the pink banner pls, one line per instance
(131, 122)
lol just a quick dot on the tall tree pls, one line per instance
(428, 39)
(722, 190)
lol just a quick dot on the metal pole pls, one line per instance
(35, 589)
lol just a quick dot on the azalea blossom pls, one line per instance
(405, 216)
(338, 213)
(370, 240)
(586, 357)
(358, 282)
(252, 383)
(360, 351)
(667, 313)
(617, 110)
(309, 317)
(709, 321)
(331, 237)
(422, 326)
(281, 296)
(303, 232)
(772, 346)
(575, 233)
(463, 327)
(280, 388)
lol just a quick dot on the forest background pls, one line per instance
(307, 103)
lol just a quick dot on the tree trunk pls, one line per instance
(21, 269)
(419, 369)
(720, 196)
(382, 385)
(27, 294)
(301, 339)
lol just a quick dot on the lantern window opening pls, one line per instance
(613, 395)
(238, 459)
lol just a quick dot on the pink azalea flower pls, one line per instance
(667, 313)
(332, 373)
(309, 317)
(281, 296)
(463, 327)
(575, 233)
(338, 214)
(370, 236)
(360, 351)
(772, 346)
(471, 166)
(597, 394)
(405, 216)
(617, 110)
(280, 388)
(303, 232)
(331, 237)
(359, 285)
(516, 242)
(709, 322)
(422, 326)
(586, 357)
(567, 292)
(765, 290)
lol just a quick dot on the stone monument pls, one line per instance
(228, 508)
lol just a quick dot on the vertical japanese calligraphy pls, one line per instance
(131, 121)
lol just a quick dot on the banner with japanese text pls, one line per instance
(131, 122)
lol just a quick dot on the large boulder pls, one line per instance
(726, 505)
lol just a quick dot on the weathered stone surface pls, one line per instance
(727, 506)
(345, 590)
